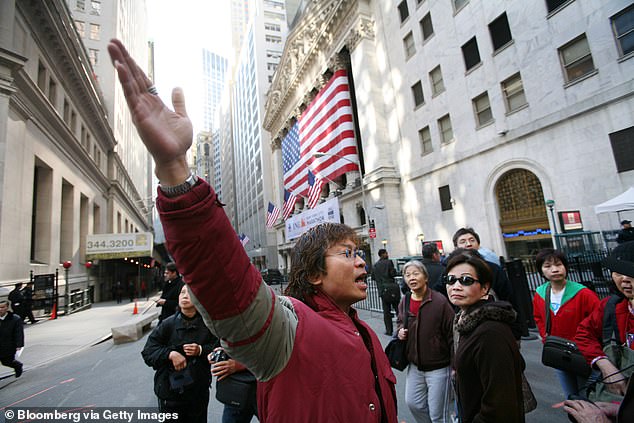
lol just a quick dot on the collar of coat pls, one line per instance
(499, 311)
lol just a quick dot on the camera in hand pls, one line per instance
(219, 355)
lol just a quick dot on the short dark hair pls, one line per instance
(382, 251)
(546, 254)
(308, 256)
(171, 266)
(473, 258)
(464, 231)
(429, 249)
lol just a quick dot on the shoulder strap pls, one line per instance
(406, 309)
(547, 301)
(610, 328)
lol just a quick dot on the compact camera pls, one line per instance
(219, 355)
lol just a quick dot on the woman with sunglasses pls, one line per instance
(487, 362)
(429, 342)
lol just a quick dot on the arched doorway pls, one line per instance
(523, 219)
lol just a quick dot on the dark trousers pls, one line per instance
(28, 313)
(193, 410)
(388, 305)
(10, 361)
(233, 414)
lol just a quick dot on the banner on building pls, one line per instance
(322, 213)
(111, 246)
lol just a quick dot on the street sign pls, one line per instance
(372, 233)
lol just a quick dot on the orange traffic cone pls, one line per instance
(54, 313)
(136, 310)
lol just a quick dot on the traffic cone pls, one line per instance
(136, 310)
(54, 313)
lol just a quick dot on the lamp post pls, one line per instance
(66, 265)
(551, 206)
(421, 238)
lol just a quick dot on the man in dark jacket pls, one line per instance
(626, 233)
(431, 260)
(27, 293)
(389, 290)
(11, 337)
(171, 290)
(17, 300)
(177, 349)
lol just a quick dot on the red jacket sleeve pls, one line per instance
(539, 307)
(589, 334)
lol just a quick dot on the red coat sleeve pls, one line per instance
(539, 308)
(589, 334)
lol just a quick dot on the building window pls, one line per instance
(80, 5)
(623, 149)
(458, 4)
(417, 93)
(437, 84)
(93, 55)
(94, 31)
(500, 32)
(273, 39)
(446, 131)
(95, 7)
(482, 109)
(271, 66)
(513, 90)
(553, 5)
(424, 135)
(66, 113)
(471, 53)
(73, 121)
(81, 28)
(41, 77)
(623, 27)
(403, 11)
(445, 198)
(576, 58)
(408, 44)
(426, 27)
(52, 91)
(272, 27)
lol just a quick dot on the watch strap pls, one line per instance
(176, 190)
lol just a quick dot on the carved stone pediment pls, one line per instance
(325, 27)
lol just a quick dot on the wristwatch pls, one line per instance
(176, 190)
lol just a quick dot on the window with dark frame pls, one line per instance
(553, 5)
(426, 27)
(500, 32)
(445, 198)
(470, 53)
(623, 149)
(576, 58)
(424, 135)
(623, 27)
(403, 10)
(417, 93)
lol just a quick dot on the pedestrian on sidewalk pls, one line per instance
(27, 293)
(17, 300)
(11, 338)
(429, 336)
(171, 289)
(177, 349)
(389, 291)
(315, 360)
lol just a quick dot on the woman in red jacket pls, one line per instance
(570, 303)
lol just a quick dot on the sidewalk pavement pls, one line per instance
(49, 340)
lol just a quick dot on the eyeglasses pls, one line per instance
(464, 280)
(349, 254)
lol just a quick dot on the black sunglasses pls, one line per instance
(464, 280)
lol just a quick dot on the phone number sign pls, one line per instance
(110, 246)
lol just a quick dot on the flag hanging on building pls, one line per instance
(271, 215)
(289, 204)
(314, 191)
(243, 239)
(326, 126)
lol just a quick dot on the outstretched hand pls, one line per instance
(166, 134)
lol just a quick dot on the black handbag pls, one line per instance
(561, 353)
(237, 389)
(396, 349)
(391, 292)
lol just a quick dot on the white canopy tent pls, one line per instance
(621, 202)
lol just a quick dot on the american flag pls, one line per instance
(243, 239)
(289, 204)
(325, 126)
(272, 215)
(314, 192)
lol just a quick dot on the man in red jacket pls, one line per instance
(314, 359)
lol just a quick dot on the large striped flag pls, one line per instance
(289, 204)
(326, 126)
(314, 192)
(271, 215)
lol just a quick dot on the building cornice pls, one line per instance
(10, 63)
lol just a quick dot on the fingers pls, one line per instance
(178, 102)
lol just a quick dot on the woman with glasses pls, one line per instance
(487, 362)
(429, 342)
